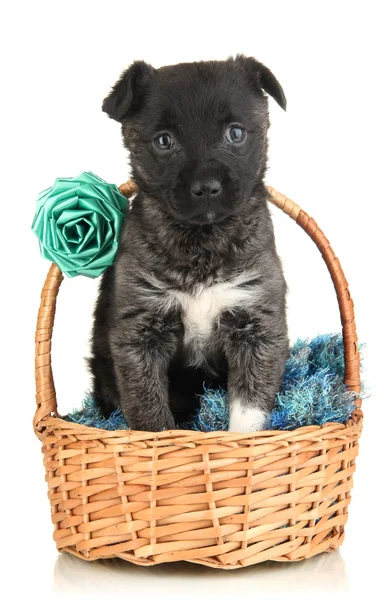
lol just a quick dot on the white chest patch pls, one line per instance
(201, 310)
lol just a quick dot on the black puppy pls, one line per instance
(197, 292)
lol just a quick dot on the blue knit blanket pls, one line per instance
(312, 393)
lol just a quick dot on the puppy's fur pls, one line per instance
(197, 293)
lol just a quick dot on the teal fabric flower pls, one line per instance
(78, 223)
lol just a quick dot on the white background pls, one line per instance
(330, 152)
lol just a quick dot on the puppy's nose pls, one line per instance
(206, 189)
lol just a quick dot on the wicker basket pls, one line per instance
(221, 499)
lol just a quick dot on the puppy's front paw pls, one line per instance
(244, 419)
(148, 420)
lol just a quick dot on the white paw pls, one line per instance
(244, 419)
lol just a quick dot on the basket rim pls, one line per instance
(330, 429)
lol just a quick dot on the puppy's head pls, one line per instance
(196, 132)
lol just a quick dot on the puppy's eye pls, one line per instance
(164, 141)
(235, 134)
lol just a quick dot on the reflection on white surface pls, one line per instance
(321, 575)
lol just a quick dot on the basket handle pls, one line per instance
(45, 390)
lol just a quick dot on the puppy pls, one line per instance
(196, 294)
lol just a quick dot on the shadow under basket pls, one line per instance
(222, 499)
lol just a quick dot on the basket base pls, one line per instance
(330, 545)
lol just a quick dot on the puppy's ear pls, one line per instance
(264, 78)
(127, 94)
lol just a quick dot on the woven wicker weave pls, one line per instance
(222, 499)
